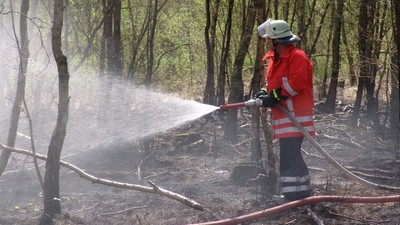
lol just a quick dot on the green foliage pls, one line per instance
(180, 62)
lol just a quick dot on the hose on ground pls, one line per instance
(302, 202)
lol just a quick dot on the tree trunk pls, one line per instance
(105, 67)
(276, 9)
(364, 48)
(395, 75)
(23, 49)
(317, 36)
(117, 44)
(379, 16)
(236, 86)
(286, 8)
(137, 38)
(322, 91)
(51, 192)
(257, 81)
(301, 23)
(350, 60)
(150, 41)
(329, 106)
(209, 32)
(368, 57)
(220, 100)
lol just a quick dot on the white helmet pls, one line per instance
(274, 29)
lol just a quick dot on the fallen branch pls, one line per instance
(375, 170)
(154, 189)
(345, 142)
(314, 216)
(302, 202)
(374, 176)
(123, 211)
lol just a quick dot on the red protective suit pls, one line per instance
(293, 73)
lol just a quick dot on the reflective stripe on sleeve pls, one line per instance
(287, 86)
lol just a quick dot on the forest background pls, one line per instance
(203, 50)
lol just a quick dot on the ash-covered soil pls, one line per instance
(196, 161)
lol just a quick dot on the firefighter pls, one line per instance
(289, 82)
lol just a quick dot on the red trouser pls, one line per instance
(295, 177)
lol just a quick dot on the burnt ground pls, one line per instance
(196, 161)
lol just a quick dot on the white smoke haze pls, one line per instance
(132, 113)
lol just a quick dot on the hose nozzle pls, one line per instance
(249, 103)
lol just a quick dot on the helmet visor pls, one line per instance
(263, 28)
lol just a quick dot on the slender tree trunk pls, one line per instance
(120, 91)
(66, 28)
(286, 10)
(23, 48)
(150, 41)
(117, 39)
(137, 38)
(236, 86)
(220, 100)
(350, 59)
(379, 33)
(395, 75)
(51, 193)
(317, 36)
(106, 69)
(323, 89)
(276, 9)
(301, 22)
(209, 33)
(364, 48)
(329, 106)
(369, 62)
(257, 82)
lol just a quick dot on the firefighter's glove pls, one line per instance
(261, 93)
(274, 97)
(268, 101)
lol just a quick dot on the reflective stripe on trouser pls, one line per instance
(295, 177)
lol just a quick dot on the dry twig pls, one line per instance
(122, 211)
(314, 216)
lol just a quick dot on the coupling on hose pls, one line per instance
(253, 102)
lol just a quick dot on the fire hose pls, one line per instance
(309, 200)
(258, 102)
(302, 202)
